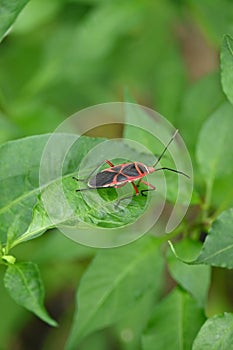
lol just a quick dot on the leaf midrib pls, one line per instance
(30, 193)
(217, 253)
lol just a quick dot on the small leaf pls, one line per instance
(218, 246)
(9, 10)
(113, 284)
(215, 144)
(227, 66)
(194, 279)
(216, 333)
(23, 282)
(174, 323)
(9, 259)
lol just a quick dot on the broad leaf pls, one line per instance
(216, 333)
(113, 285)
(130, 328)
(19, 172)
(215, 144)
(194, 279)
(22, 212)
(218, 246)
(191, 119)
(9, 10)
(227, 66)
(23, 282)
(174, 323)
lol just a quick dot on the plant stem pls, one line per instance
(207, 200)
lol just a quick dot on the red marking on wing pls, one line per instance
(126, 172)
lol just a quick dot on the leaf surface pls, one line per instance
(24, 284)
(113, 284)
(9, 10)
(216, 333)
(22, 212)
(227, 66)
(194, 279)
(215, 144)
(174, 323)
(218, 246)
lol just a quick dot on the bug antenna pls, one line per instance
(161, 155)
(175, 171)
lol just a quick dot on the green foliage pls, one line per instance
(56, 58)
(193, 118)
(9, 10)
(174, 323)
(107, 295)
(22, 212)
(215, 144)
(24, 284)
(227, 66)
(218, 247)
(216, 330)
(194, 279)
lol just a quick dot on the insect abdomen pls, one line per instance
(118, 175)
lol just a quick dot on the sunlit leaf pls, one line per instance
(23, 215)
(9, 10)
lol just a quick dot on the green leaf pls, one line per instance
(194, 279)
(66, 249)
(216, 333)
(23, 282)
(191, 119)
(19, 165)
(113, 284)
(9, 10)
(174, 323)
(22, 212)
(13, 317)
(218, 246)
(227, 66)
(215, 144)
(130, 328)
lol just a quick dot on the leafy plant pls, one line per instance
(124, 296)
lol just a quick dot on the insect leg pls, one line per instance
(152, 188)
(84, 189)
(87, 189)
(128, 197)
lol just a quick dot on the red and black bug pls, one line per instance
(119, 175)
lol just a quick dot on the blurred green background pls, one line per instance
(65, 55)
